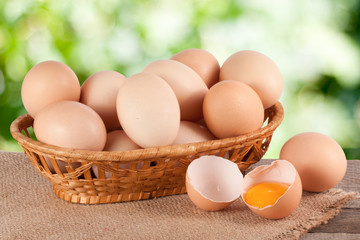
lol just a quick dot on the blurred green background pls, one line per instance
(316, 45)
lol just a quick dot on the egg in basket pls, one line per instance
(120, 139)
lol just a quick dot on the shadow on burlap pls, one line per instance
(30, 210)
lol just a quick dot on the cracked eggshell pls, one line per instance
(280, 171)
(213, 182)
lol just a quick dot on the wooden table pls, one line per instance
(346, 225)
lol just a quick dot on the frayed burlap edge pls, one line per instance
(321, 217)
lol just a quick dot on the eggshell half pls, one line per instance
(280, 171)
(213, 183)
(148, 110)
(187, 85)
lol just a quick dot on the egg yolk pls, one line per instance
(265, 194)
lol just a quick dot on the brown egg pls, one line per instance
(70, 124)
(46, 83)
(148, 110)
(280, 172)
(319, 159)
(202, 62)
(99, 92)
(118, 141)
(232, 108)
(213, 183)
(256, 70)
(189, 88)
(190, 132)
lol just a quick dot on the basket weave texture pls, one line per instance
(136, 174)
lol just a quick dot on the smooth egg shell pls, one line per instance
(99, 92)
(148, 110)
(117, 140)
(48, 82)
(190, 132)
(258, 71)
(70, 124)
(280, 171)
(319, 159)
(187, 85)
(213, 183)
(202, 62)
(232, 108)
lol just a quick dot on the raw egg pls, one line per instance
(148, 110)
(202, 62)
(319, 159)
(232, 108)
(99, 92)
(258, 71)
(265, 194)
(273, 191)
(213, 183)
(189, 88)
(48, 82)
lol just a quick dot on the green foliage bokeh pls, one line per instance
(315, 44)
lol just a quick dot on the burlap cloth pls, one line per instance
(30, 210)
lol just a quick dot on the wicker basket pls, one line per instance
(162, 171)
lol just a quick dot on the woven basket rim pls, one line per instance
(146, 153)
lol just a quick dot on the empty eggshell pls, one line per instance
(187, 85)
(258, 71)
(280, 171)
(190, 132)
(117, 140)
(99, 92)
(48, 82)
(319, 159)
(148, 110)
(213, 183)
(202, 62)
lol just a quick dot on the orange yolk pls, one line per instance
(265, 194)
